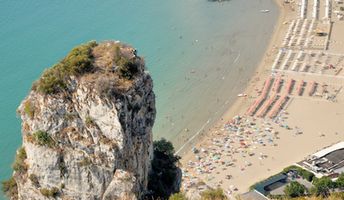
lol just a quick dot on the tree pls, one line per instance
(164, 172)
(322, 186)
(163, 146)
(294, 189)
(340, 181)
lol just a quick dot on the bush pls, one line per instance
(178, 196)
(89, 121)
(77, 62)
(29, 109)
(85, 162)
(294, 189)
(322, 186)
(53, 192)
(213, 194)
(127, 67)
(9, 187)
(19, 164)
(164, 170)
(309, 176)
(340, 181)
(34, 179)
(43, 139)
(164, 147)
(52, 81)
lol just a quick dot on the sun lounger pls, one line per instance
(287, 58)
(339, 71)
(289, 33)
(255, 106)
(265, 107)
(315, 9)
(289, 87)
(309, 33)
(277, 60)
(278, 106)
(328, 8)
(303, 13)
(294, 66)
(267, 86)
(312, 89)
(300, 88)
(277, 84)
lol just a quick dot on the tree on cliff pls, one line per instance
(165, 172)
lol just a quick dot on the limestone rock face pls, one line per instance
(94, 139)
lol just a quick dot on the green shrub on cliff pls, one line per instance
(52, 81)
(19, 164)
(29, 109)
(53, 192)
(43, 139)
(85, 162)
(34, 179)
(9, 187)
(89, 121)
(127, 67)
(77, 62)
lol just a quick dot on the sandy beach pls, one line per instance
(292, 107)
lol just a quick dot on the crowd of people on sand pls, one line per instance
(239, 138)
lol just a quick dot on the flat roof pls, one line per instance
(336, 156)
(261, 186)
(330, 149)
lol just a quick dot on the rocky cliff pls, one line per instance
(87, 127)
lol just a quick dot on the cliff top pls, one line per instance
(96, 64)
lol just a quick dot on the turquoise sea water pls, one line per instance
(199, 53)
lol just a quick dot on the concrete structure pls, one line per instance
(327, 162)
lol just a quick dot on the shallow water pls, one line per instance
(200, 54)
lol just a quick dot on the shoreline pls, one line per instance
(239, 104)
(293, 107)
